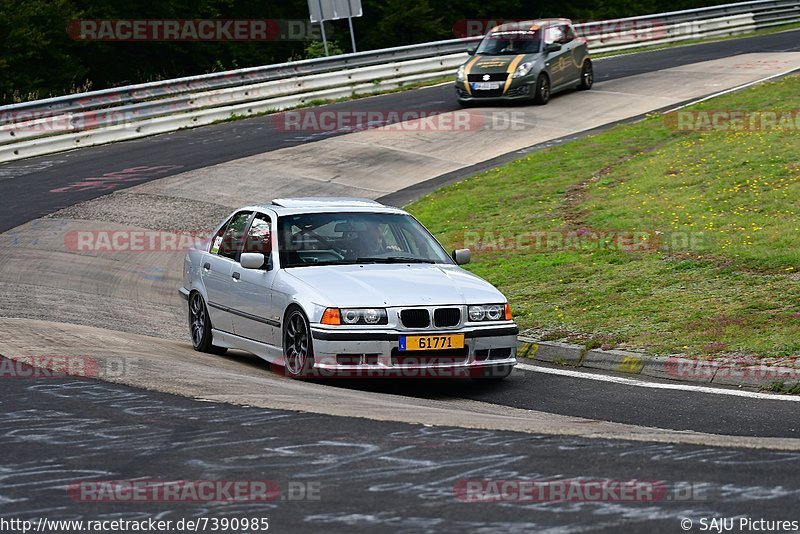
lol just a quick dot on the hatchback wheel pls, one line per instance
(541, 94)
(587, 75)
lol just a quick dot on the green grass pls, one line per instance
(715, 216)
(782, 387)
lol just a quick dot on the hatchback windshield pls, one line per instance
(350, 238)
(510, 42)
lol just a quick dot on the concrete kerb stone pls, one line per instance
(688, 370)
(621, 361)
(664, 367)
(550, 351)
(683, 369)
(755, 375)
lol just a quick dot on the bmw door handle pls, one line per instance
(207, 266)
(236, 276)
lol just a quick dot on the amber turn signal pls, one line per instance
(331, 316)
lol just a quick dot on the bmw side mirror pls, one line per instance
(552, 47)
(471, 50)
(252, 260)
(461, 256)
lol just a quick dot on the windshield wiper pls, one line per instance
(394, 259)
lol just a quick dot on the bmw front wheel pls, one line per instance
(298, 351)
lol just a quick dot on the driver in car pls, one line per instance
(373, 242)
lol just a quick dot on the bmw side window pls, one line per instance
(230, 241)
(214, 249)
(259, 236)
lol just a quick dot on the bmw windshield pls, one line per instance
(354, 238)
(510, 42)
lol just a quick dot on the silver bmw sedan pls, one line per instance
(344, 287)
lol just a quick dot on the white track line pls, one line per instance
(656, 385)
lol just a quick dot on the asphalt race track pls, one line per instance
(366, 475)
(384, 455)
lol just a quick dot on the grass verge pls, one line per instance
(646, 235)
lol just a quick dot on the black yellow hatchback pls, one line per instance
(527, 60)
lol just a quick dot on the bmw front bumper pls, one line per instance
(377, 352)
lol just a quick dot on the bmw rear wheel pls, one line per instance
(200, 326)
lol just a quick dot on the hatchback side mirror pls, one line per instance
(471, 50)
(252, 260)
(552, 47)
(461, 256)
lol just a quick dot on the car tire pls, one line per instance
(541, 92)
(200, 326)
(298, 347)
(495, 373)
(587, 75)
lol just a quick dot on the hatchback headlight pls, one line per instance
(368, 316)
(523, 69)
(489, 312)
(461, 73)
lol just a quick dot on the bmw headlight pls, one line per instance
(364, 316)
(523, 69)
(489, 312)
(461, 73)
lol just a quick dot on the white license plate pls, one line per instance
(485, 86)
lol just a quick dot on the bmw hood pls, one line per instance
(396, 285)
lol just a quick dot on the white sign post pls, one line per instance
(322, 10)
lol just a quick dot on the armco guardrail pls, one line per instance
(63, 123)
